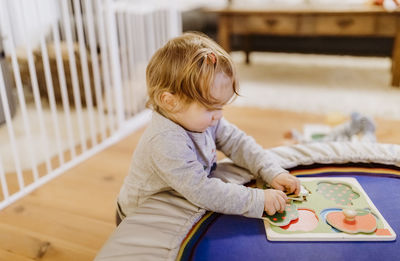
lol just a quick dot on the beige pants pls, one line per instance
(159, 225)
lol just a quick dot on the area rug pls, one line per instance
(318, 84)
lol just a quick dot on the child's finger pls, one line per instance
(279, 187)
(293, 186)
(283, 195)
(281, 199)
(297, 187)
(270, 211)
(282, 204)
(277, 205)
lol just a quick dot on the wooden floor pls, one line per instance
(72, 216)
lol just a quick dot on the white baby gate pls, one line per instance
(72, 82)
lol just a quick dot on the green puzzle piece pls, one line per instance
(283, 219)
(341, 194)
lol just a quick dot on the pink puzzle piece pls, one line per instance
(358, 224)
(307, 221)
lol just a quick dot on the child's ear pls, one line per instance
(169, 101)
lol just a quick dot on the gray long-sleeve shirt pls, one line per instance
(168, 157)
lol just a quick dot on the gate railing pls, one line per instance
(72, 82)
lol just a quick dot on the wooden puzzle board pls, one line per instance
(311, 224)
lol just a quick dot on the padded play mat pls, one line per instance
(226, 237)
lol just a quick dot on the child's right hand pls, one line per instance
(274, 201)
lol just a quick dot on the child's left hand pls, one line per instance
(287, 183)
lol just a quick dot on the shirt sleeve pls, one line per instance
(175, 162)
(245, 152)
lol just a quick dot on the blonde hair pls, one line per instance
(186, 67)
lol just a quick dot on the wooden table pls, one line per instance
(311, 20)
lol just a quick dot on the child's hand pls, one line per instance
(286, 182)
(274, 201)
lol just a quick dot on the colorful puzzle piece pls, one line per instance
(303, 194)
(361, 221)
(307, 221)
(283, 219)
(340, 193)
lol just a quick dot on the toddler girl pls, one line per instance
(189, 81)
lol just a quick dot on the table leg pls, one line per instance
(247, 47)
(396, 61)
(224, 33)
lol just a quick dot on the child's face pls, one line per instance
(195, 117)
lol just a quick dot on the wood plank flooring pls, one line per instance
(71, 217)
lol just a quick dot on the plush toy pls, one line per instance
(359, 127)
